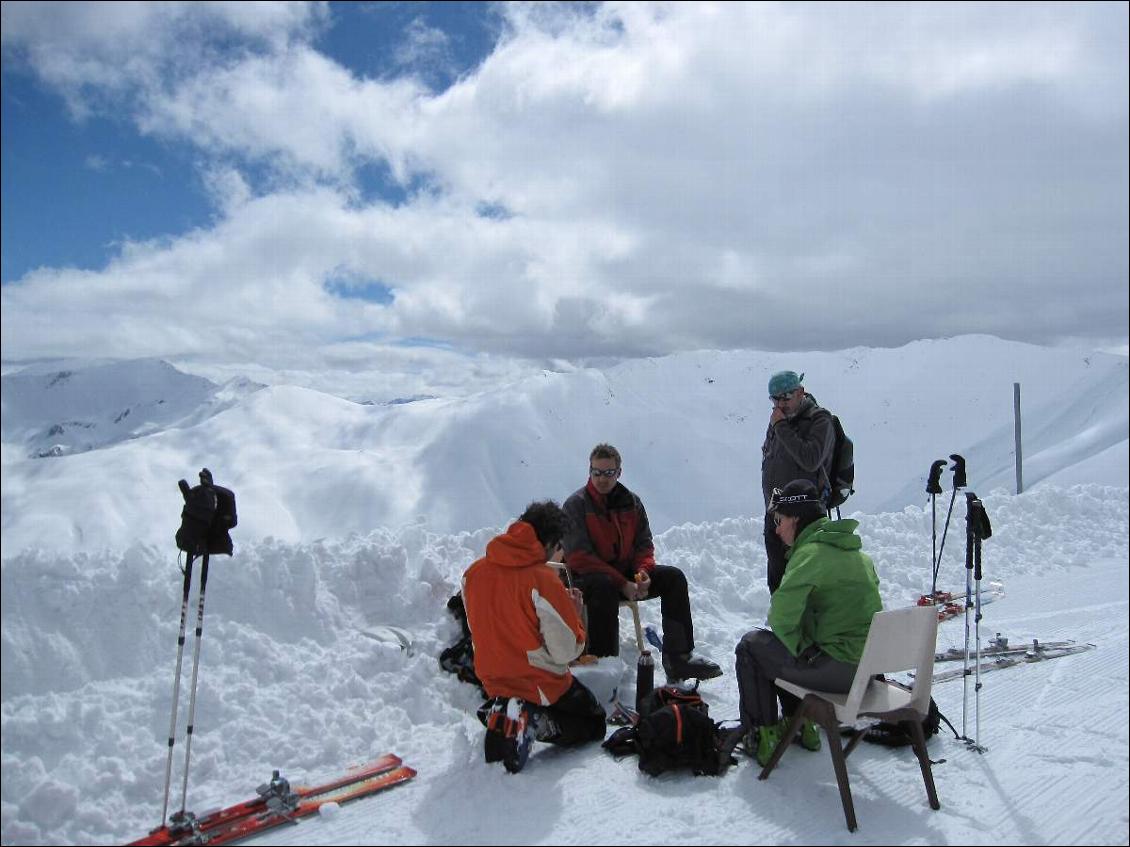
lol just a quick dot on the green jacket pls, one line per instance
(828, 594)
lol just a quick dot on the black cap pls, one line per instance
(799, 498)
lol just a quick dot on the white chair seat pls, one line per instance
(878, 698)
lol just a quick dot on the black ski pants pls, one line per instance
(577, 714)
(602, 605)
(762, 658)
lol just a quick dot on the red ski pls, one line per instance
(187, 828)
(952, 603)
(246, 827)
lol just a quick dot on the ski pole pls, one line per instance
(980, 529)
(968, 599)
(958, 483)
(176, 684)
(977, 637)
(934, 488)
(195, 670)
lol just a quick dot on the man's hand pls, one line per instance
(643, 585)
(578, 599)
(630, 591)
(776, 415)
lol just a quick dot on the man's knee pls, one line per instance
(669, 579)
(601, 592)
(753, 643)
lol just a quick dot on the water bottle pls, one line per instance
(645, 679)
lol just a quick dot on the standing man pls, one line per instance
(798, 445)
(526, 629)
(609, 550)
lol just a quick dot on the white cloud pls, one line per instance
(671, 176)
(92, 50)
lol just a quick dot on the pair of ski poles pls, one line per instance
(977, 529)
(180, 817)
(934, 488)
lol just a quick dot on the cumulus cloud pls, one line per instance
(655, 177)
(93, 51)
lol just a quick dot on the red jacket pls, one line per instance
(524, 626)
(608, 535)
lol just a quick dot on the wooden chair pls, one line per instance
(899, 640)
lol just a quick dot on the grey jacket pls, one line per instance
(799, 447)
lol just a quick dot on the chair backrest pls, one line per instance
(898, 640)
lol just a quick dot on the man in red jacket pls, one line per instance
(526, 629)
(609, 550)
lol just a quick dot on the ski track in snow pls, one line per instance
(287, 680)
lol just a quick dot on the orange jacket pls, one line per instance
(523, 623)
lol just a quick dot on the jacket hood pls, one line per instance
(518, 547)
(807, 407)
(839, 534)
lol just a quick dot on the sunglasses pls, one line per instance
(611, 472)
(781, 398)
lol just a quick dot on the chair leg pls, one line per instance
(824, 713)
(919, 738)
(786, 739)
(827, 719)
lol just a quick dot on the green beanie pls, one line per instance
(784, 381)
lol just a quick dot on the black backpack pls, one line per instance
(208, 514)
(895, 734)
(674, 731)
(842, 467)
(459, 658)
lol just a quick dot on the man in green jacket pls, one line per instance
(820, 615)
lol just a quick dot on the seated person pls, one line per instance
(526, 629)
(820, 615)
(609, 551)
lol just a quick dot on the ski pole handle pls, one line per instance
(958, 469)
(970, 536)
(933, 486)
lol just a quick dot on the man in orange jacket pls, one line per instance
(526, 629)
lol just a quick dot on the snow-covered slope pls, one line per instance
(289, 680)
(72, 407)
(306, 465)
(355, 516)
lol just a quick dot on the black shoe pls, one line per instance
(730, 739)
(689, 666)
(544, 727)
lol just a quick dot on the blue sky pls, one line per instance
(298, 187)
(62, 175)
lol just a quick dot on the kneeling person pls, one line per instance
(526, 629)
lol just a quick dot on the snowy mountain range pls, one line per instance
(73, 407)
(689, 426)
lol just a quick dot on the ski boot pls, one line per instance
(509, 733)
